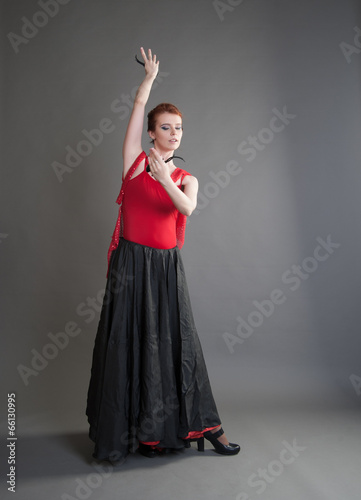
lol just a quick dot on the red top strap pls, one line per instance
(117, 230)
(179, 173)
(129, 175)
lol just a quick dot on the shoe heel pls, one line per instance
(223, 449)
(200, 444)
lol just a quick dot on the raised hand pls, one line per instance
(151, 63)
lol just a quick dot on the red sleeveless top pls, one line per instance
(147, 215)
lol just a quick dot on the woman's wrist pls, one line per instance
(144, 89)
(149, 78)
(166, 181)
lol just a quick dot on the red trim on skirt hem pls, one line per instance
(190, 435)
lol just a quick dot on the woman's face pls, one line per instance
(168, 132)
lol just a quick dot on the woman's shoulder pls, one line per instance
(187, 176)
(133, 162)
(188, 180)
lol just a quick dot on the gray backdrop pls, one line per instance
(270, 92)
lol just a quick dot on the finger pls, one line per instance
(156, 155)
(143, 53)
(150, 54)
(151, 162)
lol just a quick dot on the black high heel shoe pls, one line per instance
(147, 451)
(200, 443)
(223, 449)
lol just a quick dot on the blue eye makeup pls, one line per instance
(165, 127)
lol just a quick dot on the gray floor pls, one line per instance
(294, 453)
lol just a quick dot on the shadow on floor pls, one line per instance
(64, 454)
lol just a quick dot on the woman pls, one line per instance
(149, 387)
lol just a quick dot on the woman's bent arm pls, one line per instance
(184, 201)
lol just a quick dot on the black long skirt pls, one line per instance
(149, 381)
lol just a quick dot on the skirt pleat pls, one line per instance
(149, 380)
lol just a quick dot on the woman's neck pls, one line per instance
(165, 155)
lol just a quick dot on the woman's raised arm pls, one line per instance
(132, 145)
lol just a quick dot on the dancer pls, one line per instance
(149, 388)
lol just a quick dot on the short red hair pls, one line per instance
(164, 107)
